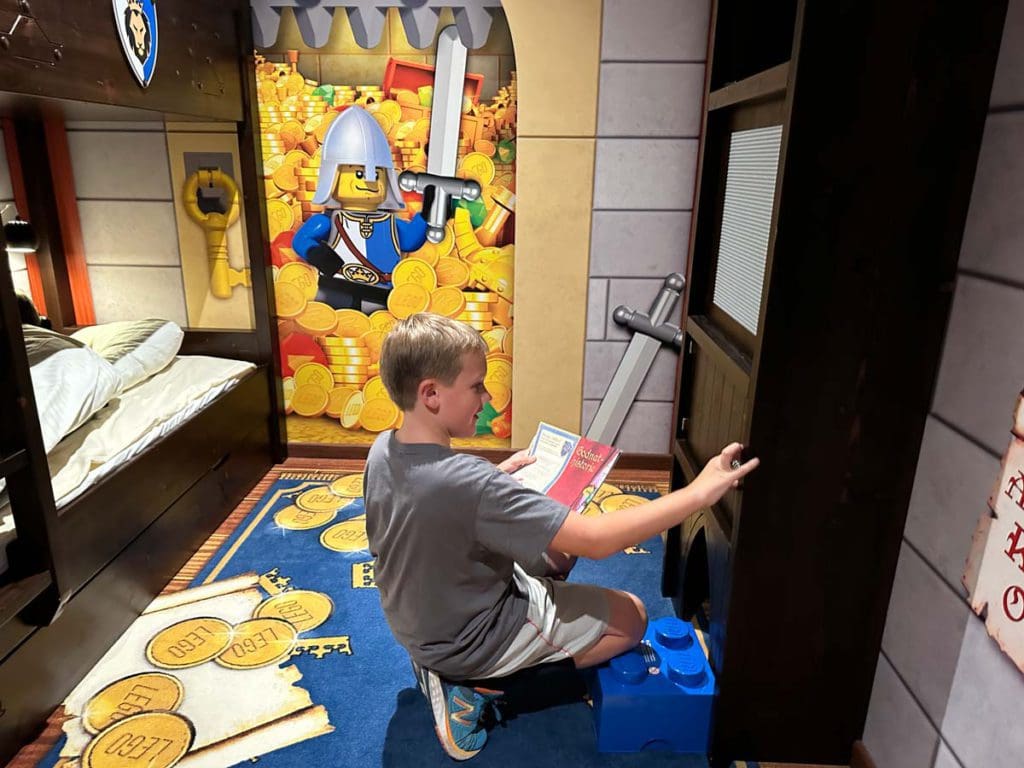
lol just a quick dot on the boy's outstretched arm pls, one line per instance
(599, 537)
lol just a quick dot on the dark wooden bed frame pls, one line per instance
(81, 574)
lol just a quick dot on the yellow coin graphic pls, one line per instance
(378, 414)
(406, 300)
(452, 271)
(447, 301)
(506, 344)
(288, 389)
(288, 300)
(318, 500)
(150, 739)
(188, 643)
(374, 388)
(309, 400)
(280, 217)
(336, 400)
(479, 166)
(295, 519)
(300, 274)
(351, 410)
(352, 323)
(620, 501)
(591, 510)
(349, 486)
(318, 319)
(415, 272)
(373, 341)
(382, 320)
(132, 695)
(302, 608)
(494, 338)
(349, 536)
(499, 369)
(501, 396)
(314, 373)
(606, 490)
(259, 643)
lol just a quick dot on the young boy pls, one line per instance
(465, 553)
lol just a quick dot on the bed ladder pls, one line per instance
(29, 593)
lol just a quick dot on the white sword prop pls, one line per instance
(445, 118)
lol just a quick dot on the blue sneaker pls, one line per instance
(458, 711)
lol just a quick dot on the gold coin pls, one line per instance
(343, 343)
(447, 301)
(295, 519)
(271, 164)
(378, 414)
(485, 297)
(310, 400)
(296, 158)
(144, 692)
(476, 317)
(150, 739)
(350, 411)
(414, 272)
(304, 609)
(287, 390)
(382, 320)
(591, 510)
(349, 486)
(494, 338)
(188, 643)
(501, 396)
(314, 373)
(289, 300)
(258, 643)
(375, 388)
(392, 109)
(499, 369)
(318, 500)
(606, 490)
(348, 536)
(280, 217)
(384, 120)
(406, 300)
(503, 312)
(373, 340)
(451, 271)
(321, 129)
(301, 274)
(318, 319)
(350, 370)
(284, 178)
(620, 501)
(351, 323)
(428, 253)
(479, 166)
(478, 306)
(361, 359)
(506, 344)
(335, 399)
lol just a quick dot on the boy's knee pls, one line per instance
(629, 615)
(641, 617)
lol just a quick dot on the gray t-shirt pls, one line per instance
(446, 528)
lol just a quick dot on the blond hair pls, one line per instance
(424, 346)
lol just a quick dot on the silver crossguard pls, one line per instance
(445, 117)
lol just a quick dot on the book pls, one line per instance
(569, 468)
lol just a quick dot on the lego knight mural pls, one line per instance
(388, 143)
(995, 568)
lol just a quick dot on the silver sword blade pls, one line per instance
(446, 113)
(623, 388)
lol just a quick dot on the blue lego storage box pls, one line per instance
(657, 696)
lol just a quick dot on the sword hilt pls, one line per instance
(446, 189)
(653, 324)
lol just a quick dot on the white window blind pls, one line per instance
(746, 222)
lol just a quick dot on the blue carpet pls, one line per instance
(363, 678)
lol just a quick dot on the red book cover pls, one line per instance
(585, 463)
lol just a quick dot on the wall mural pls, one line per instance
(350, 248)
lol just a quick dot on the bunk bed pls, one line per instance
(80, 571)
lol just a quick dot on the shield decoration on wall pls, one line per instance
(136, 27)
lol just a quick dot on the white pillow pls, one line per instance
(70, 381)
(136, 348)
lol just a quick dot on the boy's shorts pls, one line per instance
(562, 621)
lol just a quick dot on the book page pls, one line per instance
(553, 448)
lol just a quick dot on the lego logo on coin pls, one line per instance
(151, 739)
(295, 519)
(188, 643)
(302, 608)
(349, 486)
(259, 643)
(319, 500)
(349, 536)
(620, 501)
(132, 695)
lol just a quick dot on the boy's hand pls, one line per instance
(516, 461)
(723, 473)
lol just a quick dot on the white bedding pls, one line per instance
(129, 424)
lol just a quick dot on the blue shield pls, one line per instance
(135, 21)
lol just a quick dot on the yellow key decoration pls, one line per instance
(222, 277)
